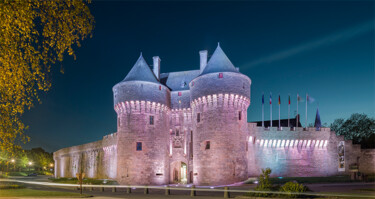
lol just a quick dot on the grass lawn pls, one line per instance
(37, 193)
(85, 181)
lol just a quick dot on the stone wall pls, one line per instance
(180, 151)
(301, 152)
(95, 159)
(224, 162)
(150, 164)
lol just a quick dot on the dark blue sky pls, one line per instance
(323, 48)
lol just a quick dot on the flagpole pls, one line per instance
(271, 109)
(307, 99)
(279, 111)
(297, 109)
(288, 111)
(263, 110)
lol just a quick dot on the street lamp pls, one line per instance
(30, 163)
(14, 165)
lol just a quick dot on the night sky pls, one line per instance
(323, 48)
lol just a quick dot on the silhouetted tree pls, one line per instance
(358, 127)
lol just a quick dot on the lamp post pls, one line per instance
(30, 163)
(14, 165)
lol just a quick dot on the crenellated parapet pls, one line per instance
(128, 107)
(224, 100)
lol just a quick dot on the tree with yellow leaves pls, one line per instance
(34, 35)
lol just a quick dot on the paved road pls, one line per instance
(342, 188)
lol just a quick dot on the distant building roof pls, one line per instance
(141, 72)
(178, 80)
(219, 62)
(283, 122)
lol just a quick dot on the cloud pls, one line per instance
(324, 41)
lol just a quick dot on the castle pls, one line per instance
(191, 127)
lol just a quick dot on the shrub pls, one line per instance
(293, 188)
(11, 186)
(264, 184)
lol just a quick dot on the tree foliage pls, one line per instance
(34, 35)
(358, 127)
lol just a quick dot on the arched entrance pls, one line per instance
(179, 172)
(183, 173)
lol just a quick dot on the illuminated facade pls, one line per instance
(191, 127)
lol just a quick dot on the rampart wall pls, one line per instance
(304, 152)
(96, 159)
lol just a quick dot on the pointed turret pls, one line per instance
(219, 62)
(141, 84)
(141, 72)
(318, 123)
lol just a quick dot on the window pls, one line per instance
(151, 120)
(179, 93)
(239, 115)
(177, 132)
(208, 145)
(139, 146)
(159, 87)
(198, 117)
(220, 75)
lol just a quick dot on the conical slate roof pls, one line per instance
(318, 123)
(141, 72)
(219, 62)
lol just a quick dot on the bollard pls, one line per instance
(193, 192)
(102, 189)
(226, 192)
(146, 190)
(128, 190)
(167, 191)
(113, 189)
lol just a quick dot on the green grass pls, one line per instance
(37, 193)
(85, 181)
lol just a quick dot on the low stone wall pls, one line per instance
(96, 159)
(300, 153)
(367, 161)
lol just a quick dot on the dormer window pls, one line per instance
(220, 75)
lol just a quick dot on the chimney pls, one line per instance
(156, 68)
(203, 59)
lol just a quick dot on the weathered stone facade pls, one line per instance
(191, 127)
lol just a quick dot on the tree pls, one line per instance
(33, 35)
(359, 127)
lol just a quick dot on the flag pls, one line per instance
(289, 99)
(270, 98)
(262, 99)
(279, 100)
(310, 99)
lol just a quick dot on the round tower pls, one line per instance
(220, 96)
(142, 106)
